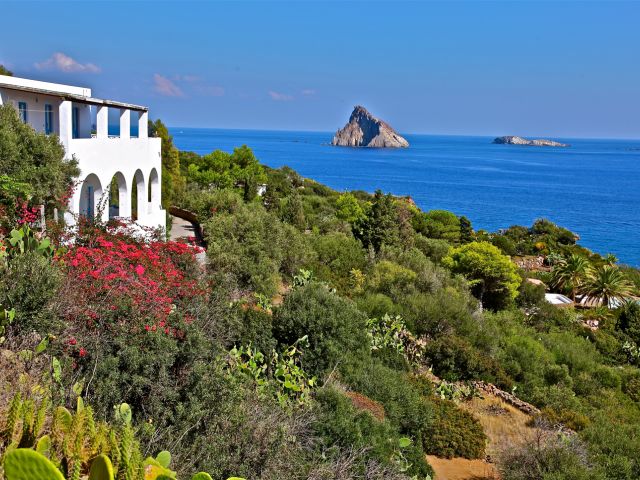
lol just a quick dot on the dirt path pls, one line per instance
(184, 231)
(181, 230)
(461, 469)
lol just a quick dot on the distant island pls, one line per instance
(365, 130)
(540, 142)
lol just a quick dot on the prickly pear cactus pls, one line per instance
(153, 470)
(43, 446)
(164, 458)
(201, 476)
(101, 468)
(27, 464)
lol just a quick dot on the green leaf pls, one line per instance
(404, 442)
(42, 346)
(27, 464)
(57, 369)
(77, 387)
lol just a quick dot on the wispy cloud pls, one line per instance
(64, 63)
(166, 87)
(280, 97)
(308, 92)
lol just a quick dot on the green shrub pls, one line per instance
(376, 305)
(454, 358)
(551, 456)
(335, 327)
(391, 279)
(337, 254)
(454, 432)
(530, 295)
(405, 406)
(30, 283)
(252, 248)
(433, 248)
(568, 418)
(607, 377)
(339, 424)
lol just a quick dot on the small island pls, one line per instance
(540, 142)
(365, 130)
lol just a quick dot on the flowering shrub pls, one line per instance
(138, 286)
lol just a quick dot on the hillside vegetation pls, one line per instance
(124, 349)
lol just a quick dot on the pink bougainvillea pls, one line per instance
(139, 286)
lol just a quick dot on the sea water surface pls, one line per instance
(591, 187)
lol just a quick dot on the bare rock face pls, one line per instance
(365, 130)
(513, 140)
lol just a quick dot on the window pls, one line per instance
(74, 121)
(48, 119)
(22, 111)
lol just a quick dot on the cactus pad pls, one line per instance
(27, 464)
(101, 468)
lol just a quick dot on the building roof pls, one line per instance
(558, 299)
(66, 92)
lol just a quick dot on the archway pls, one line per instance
(90, 196)
(153, 195)
(138, 197)
(119, 205)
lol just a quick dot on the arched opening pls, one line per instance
(153, 195)
(118, 197)
(90, 196)
(138, 198)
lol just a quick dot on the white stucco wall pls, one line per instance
(127, 156)
(100, 158)
(35, 106)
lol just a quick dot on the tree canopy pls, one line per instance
(33, 165)
(492, 276)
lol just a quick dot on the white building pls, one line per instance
(109, 139)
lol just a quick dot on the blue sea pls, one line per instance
(591, 187)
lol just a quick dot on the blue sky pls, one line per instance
(567, 69)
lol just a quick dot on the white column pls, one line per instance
(65, 115)
(125, 123)
(143, 124)
(102, 122)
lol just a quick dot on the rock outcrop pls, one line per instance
(513, 140)
(365, 130)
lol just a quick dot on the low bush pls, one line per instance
(340, 424)
(336, 329)
(28, 284)
(453, 432)
(404, 404)
(550, 456)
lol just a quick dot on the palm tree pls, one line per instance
(607, 283)
(570, 273)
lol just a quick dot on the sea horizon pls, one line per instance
(420, 134)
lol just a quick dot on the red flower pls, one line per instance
(82, 352)
(72, 341)
(140, 270)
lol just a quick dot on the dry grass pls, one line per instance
(362, 402)
(504, 426)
